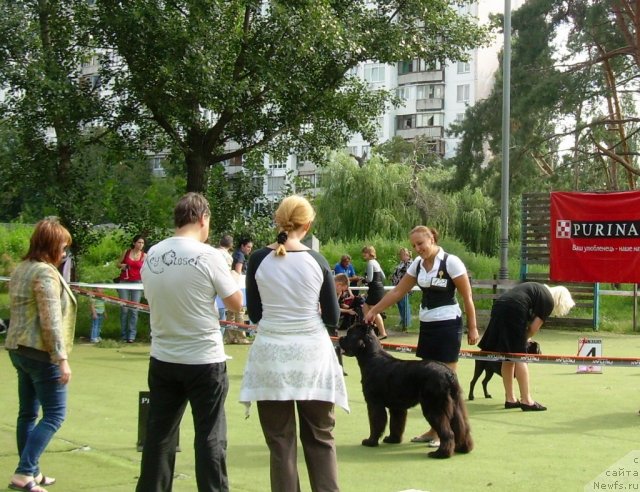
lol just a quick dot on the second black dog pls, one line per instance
(398, 385)
(491, 367)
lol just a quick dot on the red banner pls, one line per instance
(595, 237)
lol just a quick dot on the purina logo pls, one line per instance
(567, 229)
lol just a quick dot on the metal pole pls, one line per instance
(506, 113)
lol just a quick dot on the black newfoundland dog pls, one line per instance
(493, 367)
(398, 385)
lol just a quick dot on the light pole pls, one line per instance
(506, 113)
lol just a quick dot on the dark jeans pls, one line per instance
(205, 387)
(37, 386)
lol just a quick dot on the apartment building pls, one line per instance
(434, 96)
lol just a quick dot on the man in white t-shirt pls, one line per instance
(182, 277)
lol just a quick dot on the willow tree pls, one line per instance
(223, 77)
(377, 199)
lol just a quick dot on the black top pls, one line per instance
(532, 298)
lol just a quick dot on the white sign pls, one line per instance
(589, 347)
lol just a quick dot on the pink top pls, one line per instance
(132, 272)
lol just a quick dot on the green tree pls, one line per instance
(54, 116)
(222, 78)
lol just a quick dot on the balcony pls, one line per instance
(427, 131)
(429, 104)
(420, 77)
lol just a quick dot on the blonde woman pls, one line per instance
(516, 316)
(292, 365)
(374, 278)
(439, 275)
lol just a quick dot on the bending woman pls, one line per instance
(292, 364)
(39, 340)
(439, 275)
(516, 316)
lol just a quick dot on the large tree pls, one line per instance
(224, 77)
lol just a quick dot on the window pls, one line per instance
(464, 67)
(352, 150)
(404, 92)
(275, 184)
(277, 164)
(406, 121)
(374, 73)
(431, 91)
(157, 169)
(431, 119)
(463, 93)
(459, 117)
(418, 65)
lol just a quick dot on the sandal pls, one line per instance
(425, 439)
(46, 481)
(536, 407)
(29, 486)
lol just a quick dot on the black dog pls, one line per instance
(4, 326)
(492, 367)
(398, 385)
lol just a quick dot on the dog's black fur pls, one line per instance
(4, 326)
(398, 385)
(492, 367)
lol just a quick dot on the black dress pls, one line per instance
(511, 315)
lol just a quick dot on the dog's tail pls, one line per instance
(460, 422)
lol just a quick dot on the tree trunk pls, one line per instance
(196, 172)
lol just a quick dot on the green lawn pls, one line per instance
(592, 423)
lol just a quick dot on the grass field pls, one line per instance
(591, 424)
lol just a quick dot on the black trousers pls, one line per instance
(205, 387)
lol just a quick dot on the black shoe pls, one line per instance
(536, 407)
(512, 404)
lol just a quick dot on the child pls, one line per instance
(98, 315)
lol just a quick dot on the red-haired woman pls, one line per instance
(39, 339)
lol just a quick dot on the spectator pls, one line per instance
(130, 265)
(187, 361)
(374, 278)
(239, 267)
(404, 307)
(224, 245)
(39, 340)
(292, 363)
(345, 266)
(98, 315)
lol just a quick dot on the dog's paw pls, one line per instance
(471, 398)
(487, 395)
(439, 454)
(371, 443)
(392, 440)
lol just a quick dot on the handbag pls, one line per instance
(119, 279)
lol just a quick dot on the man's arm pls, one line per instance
(234, 301)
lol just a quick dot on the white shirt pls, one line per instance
(455, 268)
(181, 278)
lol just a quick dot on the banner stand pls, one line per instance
(589, 347)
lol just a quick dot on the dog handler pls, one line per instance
(439, 275)
(292, 364)
(516, 316)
